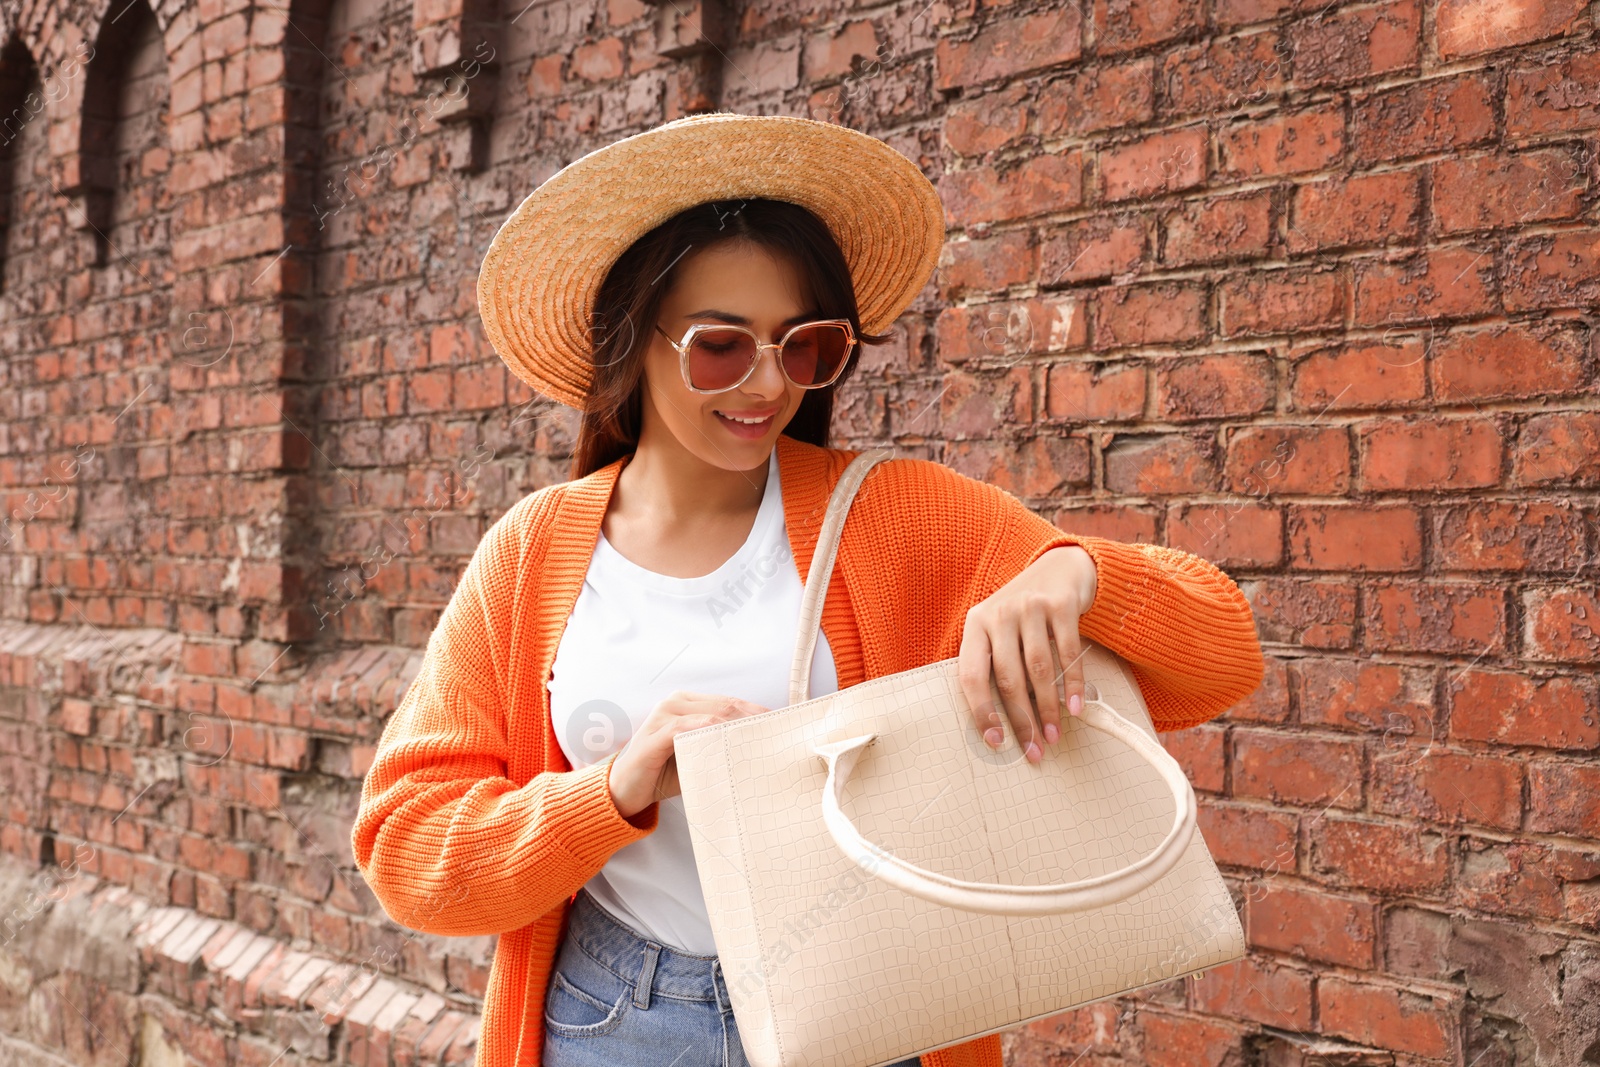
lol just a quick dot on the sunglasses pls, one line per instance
(718, 358)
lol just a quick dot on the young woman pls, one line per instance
(698, 291)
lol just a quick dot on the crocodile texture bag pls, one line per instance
(881, 883)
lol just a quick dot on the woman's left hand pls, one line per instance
(1015, 630)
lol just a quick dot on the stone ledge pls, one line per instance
(169, 976)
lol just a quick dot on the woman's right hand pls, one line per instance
(646, 770)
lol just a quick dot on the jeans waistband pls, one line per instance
(651, 967)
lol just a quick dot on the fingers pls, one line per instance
(972, 671)
(1069, 647)
(1011, 679)
(1038, 657)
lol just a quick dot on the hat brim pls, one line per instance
(537, 285)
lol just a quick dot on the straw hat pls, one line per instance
(537, 286)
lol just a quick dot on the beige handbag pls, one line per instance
(877, 879)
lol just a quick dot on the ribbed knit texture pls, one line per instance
(472, 822)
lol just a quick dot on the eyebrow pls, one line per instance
(740, 320)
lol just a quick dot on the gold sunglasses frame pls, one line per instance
(682, 348)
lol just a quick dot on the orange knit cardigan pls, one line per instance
(471, 820)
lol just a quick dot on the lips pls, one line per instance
(750, 417)
(751, 431)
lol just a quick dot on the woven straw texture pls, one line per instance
(537, 285)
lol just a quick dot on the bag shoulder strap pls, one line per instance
(816, 591)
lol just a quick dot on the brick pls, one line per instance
(1560, 625)
(835, 52)
(1210, 387)
(1171, 1041)
(1160, 163)
(1390, 702)
(1494, 535)
(1462, 453)
(1199, 750)
(1369, 209)
(1392, 857)
(1206, 231)
(1388, 1017)
(600, 61)
(1564, 797)
(1354, 45)
(1295, 143)
(1347, 537)
(1221, 75)
(1436, 284)
(1159, 464)
(1443, 617)
(1463, 28)
(1281, 301)
(1037, 467)
(1312, 924)
(1548, 96)
(1039, 186)
(1105, 96)
(1095, 392)
(1010, 331)
(1508, 361)
(1008, 46)
(1553, 271)
(1450, 787)
(1155, 314)
(1440, 115)
(1270, 700)
(1561, 449)
(987, 264)
(1106, 520)
(1381, 375)
(1300, 769)
(1096, 247)
(1246, 536)
(1300, 611)
(1243, 836)
(1258, 991)
(978, 405)
(1266, 460)
(1503, 708)
(1494, 191)
(1507, 878)
(1125, 25)
(976, 126)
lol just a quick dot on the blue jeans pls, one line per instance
(618, 999)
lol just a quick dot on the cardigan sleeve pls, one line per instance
(1182, 624)
(449, 844)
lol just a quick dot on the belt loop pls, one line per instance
(647, 975)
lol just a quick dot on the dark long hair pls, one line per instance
(629, 301)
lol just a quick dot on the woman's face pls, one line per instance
(740, 283)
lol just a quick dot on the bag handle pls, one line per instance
(996, 898)
(844, 491)
(989, 897)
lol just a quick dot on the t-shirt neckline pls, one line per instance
(769, 512)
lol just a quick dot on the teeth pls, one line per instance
(747, 422)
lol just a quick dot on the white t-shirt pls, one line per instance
(634, 637)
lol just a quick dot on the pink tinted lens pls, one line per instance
(814, 354)
(718, 358)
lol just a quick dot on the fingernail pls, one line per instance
(1034, 755)
(1075, 704)
(1051, 733)
(994, 736)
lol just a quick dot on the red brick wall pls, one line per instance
(1304, 288)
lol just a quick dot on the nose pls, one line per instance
(767, 379)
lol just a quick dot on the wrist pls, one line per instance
(1086, 574)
